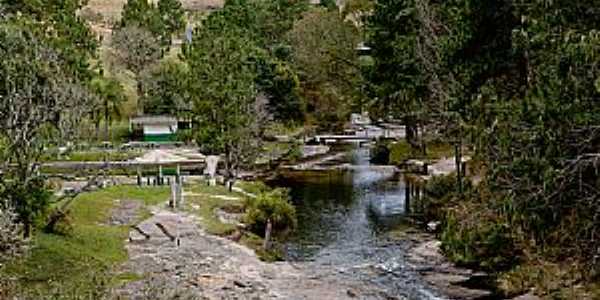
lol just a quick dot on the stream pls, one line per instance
(345, 220)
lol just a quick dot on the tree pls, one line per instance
(226, 106)
(270, 210)
(173, 18)
(136, 49)
(112, 95)
(162, 20)
(165, 89)
(281, 86)
(38, 94)
(324, 55)
(397, 78)
(12, 244)
(57, 21)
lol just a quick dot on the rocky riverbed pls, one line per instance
(196, 265)
(176, 258)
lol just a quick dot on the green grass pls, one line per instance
(80, 262)
(284, 129)
(402, 151)
(252, 187)
(203, 204)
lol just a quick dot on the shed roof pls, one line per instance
(147, 120)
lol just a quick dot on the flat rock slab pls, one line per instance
(125, 213)
(203, 266)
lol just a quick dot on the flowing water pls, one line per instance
(344, 221)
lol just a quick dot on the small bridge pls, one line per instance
(363, 134)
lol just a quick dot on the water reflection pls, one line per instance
(344, 218)
(344, 209)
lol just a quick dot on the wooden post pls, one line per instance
(179, 194)
(458, 160)
(139, 176)
(178, 175)
(407, 197)
(173, 200)
(160, 175)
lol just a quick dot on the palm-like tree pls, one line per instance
(112, 95)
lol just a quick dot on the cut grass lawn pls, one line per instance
(84, 262)
(203, 203)
(79, 263)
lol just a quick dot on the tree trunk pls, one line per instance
(140, 104)
(106, 120)
(26, 229)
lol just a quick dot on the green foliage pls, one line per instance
(396, 77)
(282, 86)
(401, 151)
(380, 154)
(112, 96)
(440, 187)
(274, 205)
(57, 22)
(165, 88)
(83, 261)
(173, 17)
(135, 48)
(323, 52)
(329, 4)
(473, 237)
(162, 20)
(30, 199)
(518, 83)
(230, 117)
(265, 23)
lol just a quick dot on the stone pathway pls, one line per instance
(184, 261)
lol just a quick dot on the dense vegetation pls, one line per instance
(518, 85)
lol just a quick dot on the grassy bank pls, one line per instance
(80, 263)
(397, 153)
(84, 264)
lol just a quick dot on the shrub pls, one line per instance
(439, 187)
(30, 200)
(12, 243)
(439, 193)
(59, 222)
(380, 155)
(400, 152)
(475, 236)
(294, 153)
(274, 205)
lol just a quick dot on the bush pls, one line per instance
(475, 236)
(439, 187)
(400, 152)
(439, 193)
(12, 243)
(60, 222)
(380, 155)
(30, 200)
(294, 153)
(274, 205)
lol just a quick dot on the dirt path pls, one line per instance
(202, 266)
